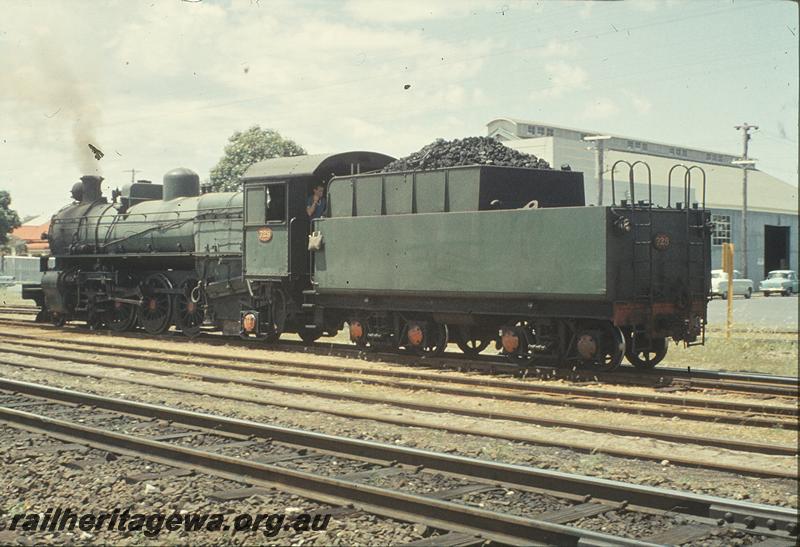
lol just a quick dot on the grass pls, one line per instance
(750, 349)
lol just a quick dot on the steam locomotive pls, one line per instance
(472, 255)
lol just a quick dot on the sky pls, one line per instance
(161, 84)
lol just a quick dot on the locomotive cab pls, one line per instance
(276, 226)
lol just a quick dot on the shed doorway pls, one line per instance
(776, 248)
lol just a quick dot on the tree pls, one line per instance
(9, 219)
(245, 149)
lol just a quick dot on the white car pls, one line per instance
(719, 284)
(784, 282)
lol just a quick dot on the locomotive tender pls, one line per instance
(473, 255)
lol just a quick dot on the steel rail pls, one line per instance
(442, 426)
(393, 504)
(485, 363)
(746, 419)
(650, 497)
(19, 311)
(301, 369)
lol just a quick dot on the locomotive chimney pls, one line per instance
(91, 188)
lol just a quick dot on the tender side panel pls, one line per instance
(554, 252)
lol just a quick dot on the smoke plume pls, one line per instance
(63, 101)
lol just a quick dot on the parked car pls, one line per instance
(782, 281)
(719, 284)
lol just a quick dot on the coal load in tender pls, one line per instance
(468, 151)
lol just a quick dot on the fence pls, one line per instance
(24, 269)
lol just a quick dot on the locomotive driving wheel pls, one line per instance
(645, 352)
(469, 341)
(121, 317)
(189, 308)
(155, 311)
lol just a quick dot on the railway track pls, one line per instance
(461, 497)
(18, 310)
(668, 378)
(46, 352)
(750, 413)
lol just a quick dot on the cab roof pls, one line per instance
(322, 166)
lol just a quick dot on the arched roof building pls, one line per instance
(772, 218)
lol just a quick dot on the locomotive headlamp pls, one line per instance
(623, 225)
(661, 241)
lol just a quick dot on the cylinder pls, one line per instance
(181, 183)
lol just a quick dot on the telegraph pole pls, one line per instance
(745, 162)
(133, 174)
(599, 150)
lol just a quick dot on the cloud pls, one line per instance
(391, 11)
(52, 91)
(561, 78)
(362, 128)
(558, 48)
(641, 105)
(419, 11)
(601, 108)
(647, 6)
(165, 85)
(586, 10)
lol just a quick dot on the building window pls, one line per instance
(722, 229)
(644, 146)
(540, 130)
(630, 144)
(531, 129)
(549, 132)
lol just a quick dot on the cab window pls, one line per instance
(276, 203)
(255, 213)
